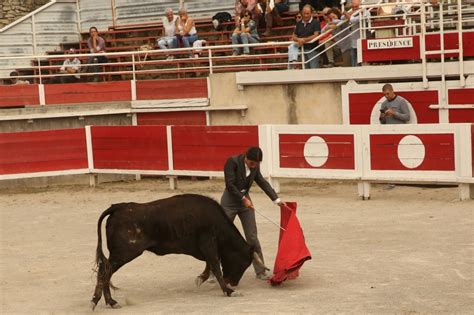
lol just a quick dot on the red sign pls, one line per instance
(19, 95)
(130, 147)
(87, 92)
(204, 148)
(43, 151)
(172, 89)
(317, 151)
(420, 152)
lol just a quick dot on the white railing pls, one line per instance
(136, 63)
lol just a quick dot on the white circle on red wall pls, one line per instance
(316, 151)
(411, 151)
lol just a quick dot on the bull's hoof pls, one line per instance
(198, 281)
(93, 305)
(115, 305)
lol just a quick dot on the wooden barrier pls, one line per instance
(427, 153)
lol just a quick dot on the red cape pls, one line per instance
(292, 250)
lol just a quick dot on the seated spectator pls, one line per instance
(272, 9)
(15, 79)
(197, 47)
(245, 33)
(247, 5)
(169, 31)
(306, 30)
(220, 19)
(70, 66)
(186, 33)
(96, 45)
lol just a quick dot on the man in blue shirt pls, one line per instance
(305, 31)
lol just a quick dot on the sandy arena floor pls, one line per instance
(407, 251)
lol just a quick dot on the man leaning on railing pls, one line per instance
(307, 29)
(354, 18)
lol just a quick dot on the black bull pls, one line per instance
(186, 224)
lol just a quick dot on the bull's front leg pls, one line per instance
(216, 270)
(208, 248)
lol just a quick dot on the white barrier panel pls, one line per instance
(424, 153)
(440, 153)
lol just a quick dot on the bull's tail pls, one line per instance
(102, 263)
(104, 270)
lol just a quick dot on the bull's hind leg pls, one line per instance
(116, 261)
(203, 276)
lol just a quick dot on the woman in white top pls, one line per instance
(186, 33)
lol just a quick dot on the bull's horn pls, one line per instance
(258, 260)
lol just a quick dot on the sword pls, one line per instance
(268, 219)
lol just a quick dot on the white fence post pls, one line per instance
(93, 178)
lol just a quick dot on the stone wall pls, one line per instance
(12, 10)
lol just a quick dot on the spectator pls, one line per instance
(247, 5)
(272, 10)
(70, 66)
(394, 109)
(169, 30)
(245, 33)
(326, 38)
(15, 79)
(96, 45)
(340, 35)
(186, 33)
(354, 17)
(306, 30)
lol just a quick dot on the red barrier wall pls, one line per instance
(87, 92)
(361, 105)
(207, 148)
(439, 152)
(130, 147)
(461, 96)
(171, 89)
(19, 95)
(172, 118)
(433, 42)
(340, 151)
(42, 151)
